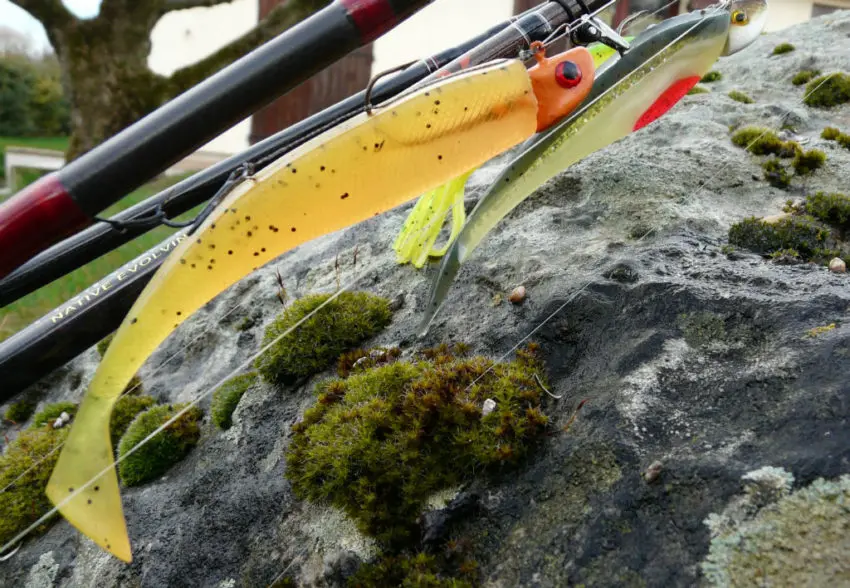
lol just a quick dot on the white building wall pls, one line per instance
(183, 37)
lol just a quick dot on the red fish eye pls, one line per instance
(568, 74)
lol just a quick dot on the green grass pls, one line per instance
(20, 313)
(57, 143)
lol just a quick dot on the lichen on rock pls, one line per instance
(794, 540)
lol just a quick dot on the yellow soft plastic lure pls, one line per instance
(415, 242)
(367, 165)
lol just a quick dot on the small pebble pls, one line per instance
(489, 406)
(837, 266)
(518, 295)
(58, 423)
(65, 417)
(652, 472)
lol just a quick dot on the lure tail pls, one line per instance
(415, 242)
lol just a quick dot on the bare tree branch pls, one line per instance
(283, 17)
(51, 13)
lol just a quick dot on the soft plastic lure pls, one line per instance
(630, 92)
(415, 242)
(369, 164)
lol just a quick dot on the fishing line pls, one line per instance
(127, 392)
(265, 348)
(177, 415)
(707, 12)
(595, 267)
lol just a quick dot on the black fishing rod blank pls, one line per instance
(102, 237)
(72, 328)
(66, 201)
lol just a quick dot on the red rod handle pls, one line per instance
(34, 219)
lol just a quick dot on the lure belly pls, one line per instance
(365, 166)
(630, 92)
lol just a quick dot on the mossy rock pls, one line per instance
(417, 570)
(833, 134)
(783, 48)
(167, 448)
(806, 163)
(804, 234)
(805, 76)
(51, 412)
(831, 208)
(20, 411)
(24, 502)
(827, 91)
(343, 323)
(738, 96)
(379, 443)
(125, 410)
(227, 397)
(776, 174)
(712, 76)
(764, 141)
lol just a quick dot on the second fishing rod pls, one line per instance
(505, 39)
(75, 326)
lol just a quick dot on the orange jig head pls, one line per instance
(560, 83)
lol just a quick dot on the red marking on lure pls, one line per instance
(666, 101)
(372, 18)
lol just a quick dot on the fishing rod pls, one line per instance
(104, 236)
(504, 39)
(75, 326)
(63, 202)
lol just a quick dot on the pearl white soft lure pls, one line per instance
(359, 169)
(630, 92)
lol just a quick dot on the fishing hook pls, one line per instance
(370, 88)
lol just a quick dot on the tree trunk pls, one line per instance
(105, 72)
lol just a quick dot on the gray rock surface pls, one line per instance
(686, 356)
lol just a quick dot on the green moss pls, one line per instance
(103, 344)
(698, 90)
(807, 163)
(364, 359)
(833, 134)
(125, 410)
(805, 76)
(25, 502)
(227, 397)
(163, 451)
(763, 141)
(20, 411)
(827, 91)
(833, 209)
(776, 174)
(345, 322)
(51, 412)
(379, 443)
(738, 96)
(712, 76)
(783, 48)
(246, 323)
(419, 570)
(802, 540)
(804, 234)
(785, 254)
